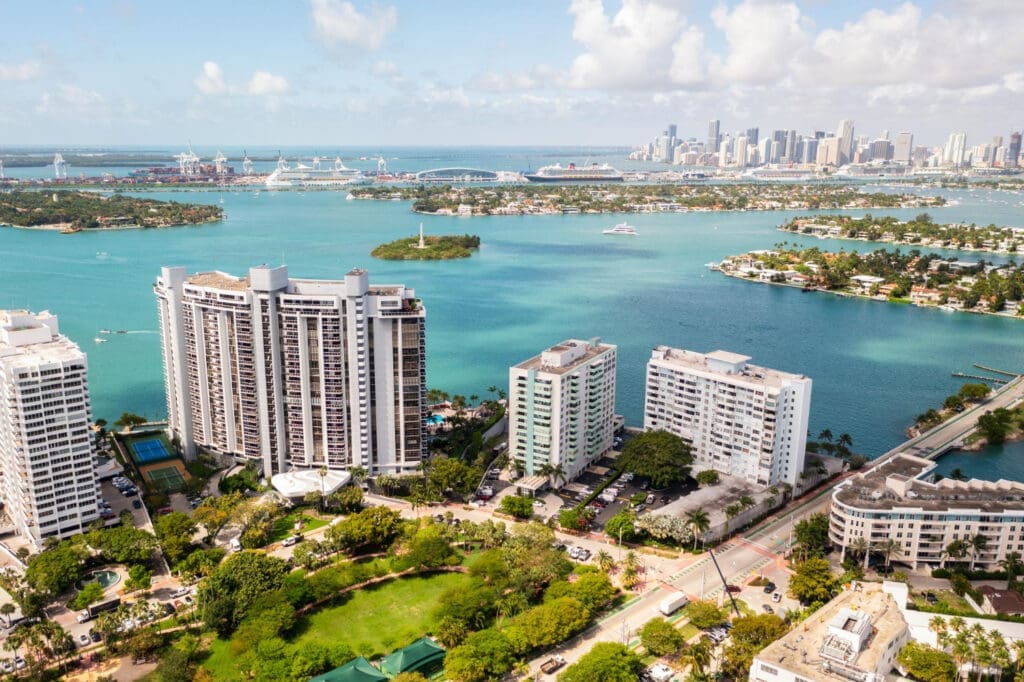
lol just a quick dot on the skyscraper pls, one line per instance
(294, 372)
(1013, 151)
(790, 153)
(49, 486)
(904, 147)
(740, 159)
(956, 145)
(752, 136)
(561, 408)
(714, 137)
(845, 135)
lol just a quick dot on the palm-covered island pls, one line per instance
(665, 198)
(443, 247)
(921, 231)
(887, 275)
(75, 211)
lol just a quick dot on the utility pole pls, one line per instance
(725, 585)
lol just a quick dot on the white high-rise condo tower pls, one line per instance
(561, 408)
(294, 373)
(740, 419)
(47, 455)
(846, 145)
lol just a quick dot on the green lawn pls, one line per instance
(285, 525)
(373, 621)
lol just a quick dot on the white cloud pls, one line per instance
(264, 83)
(25, 71)
(71, 101)
(632, 49)
(210, 80)
(762, 38)
(340, 24)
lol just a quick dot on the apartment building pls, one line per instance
(561, 408)
(898, 500)
(294, 373)
(47, 453)
(740, 419)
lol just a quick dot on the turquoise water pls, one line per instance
(435, 419)
(535, 281)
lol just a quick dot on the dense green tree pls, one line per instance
(240, 581)
(813, 581)
(704, 614)
(749, 635)
(996, 425)
(123, 544)
(486, 655)
(430, 549)
(371, 528)
(347, 500)
(91, 593)
(605, 662)
(174, 531)
(812, 534)
(451, 476)
(517, 506)
(926, 663)
(707, 477)
(974, 392)
(139, 578)
(622, 525)
(54, 570)
(661, 638)
(592, 590)
(546, 625)
(662, 457)
(576, 518)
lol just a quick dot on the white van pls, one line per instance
(235, 545)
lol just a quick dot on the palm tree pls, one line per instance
(978, 544)
(698, 657)
(825, 435)
(860, 546)
(7, 609)
(699, 521)
(746, 501)
(631, 561)
(1000, 652)
(1011, 564)
(731, 511)
(954, 550)
(939, 626)
(888, 549)
(606, 561)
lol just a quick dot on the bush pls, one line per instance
(517, 506)
(707, 477)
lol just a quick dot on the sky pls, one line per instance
(481, 72)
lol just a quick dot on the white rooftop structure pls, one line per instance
(293, 484)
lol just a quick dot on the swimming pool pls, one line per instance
(435, 419)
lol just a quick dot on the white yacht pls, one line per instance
(621, 228)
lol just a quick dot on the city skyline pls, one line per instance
(585, 72)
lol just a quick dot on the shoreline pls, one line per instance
(900, 242)
(850, 294)
(65, 228)
(701, 209)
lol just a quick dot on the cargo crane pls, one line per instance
(220, 164)
(246, 163)
(60, 167)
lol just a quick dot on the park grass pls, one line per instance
(285, 526)
(371, 621)
(378, 619)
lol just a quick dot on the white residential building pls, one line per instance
(47, 451)
(294, 373)
(856, 636)
(740, 419)
(897, 500)
(561, 407)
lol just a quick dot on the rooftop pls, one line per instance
(219, 280)
(865, 609)
(900, 482)
(1003, 601)
(294, 484)
(728, 366)
(566, 356)
(31, 339)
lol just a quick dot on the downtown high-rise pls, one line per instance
(47, 450)
(294, 373)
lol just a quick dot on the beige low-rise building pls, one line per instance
(856, 636)
(900, 500)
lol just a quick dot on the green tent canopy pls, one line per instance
(356, 670)
(423, 656)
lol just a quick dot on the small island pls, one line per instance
(67, 212)
(921, 231)
(443, 247)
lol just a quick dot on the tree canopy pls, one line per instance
(606, 662)
(927, 663)
(750, 634)
(813, 581)
(662, 457)
(661, 638)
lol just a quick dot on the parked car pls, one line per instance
(767, 608)
(136, 504)
(94, 635)
(83, 640)
(6, 666)
(776, 597)
(769, 588)
(292, 540)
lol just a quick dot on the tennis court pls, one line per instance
(151, 450)
(166, 479)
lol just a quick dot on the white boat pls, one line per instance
(621, 228)
(591, 173)
(713, 266)
(315, 176)
(99, 339)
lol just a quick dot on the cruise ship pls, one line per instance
(316, 176)
(591, 173)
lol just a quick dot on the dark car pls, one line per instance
(136, 504)
(734, 589)
(769, 588)
(95, 636)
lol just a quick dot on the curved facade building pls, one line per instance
(294, 373)
(898, 500)
(457, 175)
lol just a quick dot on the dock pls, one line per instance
(997, 371)
(961, 375)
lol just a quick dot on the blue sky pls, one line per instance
(531, 72)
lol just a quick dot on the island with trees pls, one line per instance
(888, 275)
(922, 231)
(69, 211)
(442, 247)
(663, 198)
